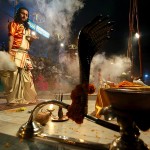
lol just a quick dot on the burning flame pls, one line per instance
(51, 107)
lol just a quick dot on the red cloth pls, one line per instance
(41, 84)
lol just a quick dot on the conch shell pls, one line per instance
(43, 117)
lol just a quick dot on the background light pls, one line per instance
(62, 44)
(137, 35)
(146, 75)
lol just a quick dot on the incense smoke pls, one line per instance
(110, 68)
(59, 14)
(6, 63)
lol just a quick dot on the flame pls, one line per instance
(51, 107)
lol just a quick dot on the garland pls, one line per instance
(79, 96)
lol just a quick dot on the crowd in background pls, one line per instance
(51, 76)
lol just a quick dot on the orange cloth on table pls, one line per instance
(101, 101)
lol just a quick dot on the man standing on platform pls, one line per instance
(20, 86)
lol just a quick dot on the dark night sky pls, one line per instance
(118, 10)
(117, 13)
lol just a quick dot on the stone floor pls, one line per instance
(11, 120)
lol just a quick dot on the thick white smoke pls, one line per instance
(110, 68)
(59, 14)
(6, 63)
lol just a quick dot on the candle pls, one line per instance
(51, 107)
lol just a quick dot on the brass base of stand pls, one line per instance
(57, 119)
(129, 133)
(29, 130)
(128, 144)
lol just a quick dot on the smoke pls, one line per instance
(70, 66)
(56, 16)
(6, 63)
(59, 14)
(110, 68)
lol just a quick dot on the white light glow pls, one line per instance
(51, 107)
(137, 35)
(33, 33)
(62, 44)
